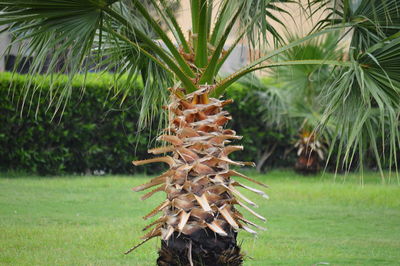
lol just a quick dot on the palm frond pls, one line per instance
(373, 20)
(53, 27)
(64, 30)
(262, 29)
(258, 64)
(365, 100)
(121, 58)
(80, 36)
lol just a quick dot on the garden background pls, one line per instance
(67, 139)
(56, 211)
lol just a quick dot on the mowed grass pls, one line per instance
(93, 220)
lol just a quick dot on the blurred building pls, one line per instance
(8, 55)
(4, 41)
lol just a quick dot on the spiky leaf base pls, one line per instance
(200, 220)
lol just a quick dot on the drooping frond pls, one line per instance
(80, 36)
(57, 35)
(365, 100)
(121, 58)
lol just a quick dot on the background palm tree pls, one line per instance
(294, 103)
(200, 216)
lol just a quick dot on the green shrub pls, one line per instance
(258, 137)
(97, 132)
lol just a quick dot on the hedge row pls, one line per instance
(96, 133)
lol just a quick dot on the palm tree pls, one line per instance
(200, 217)
(300, 88)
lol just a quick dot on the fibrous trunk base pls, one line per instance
(202, 248)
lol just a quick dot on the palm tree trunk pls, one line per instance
(214, 241)
(201, 248)
(308, 163)
(310, 152)
(200, 222)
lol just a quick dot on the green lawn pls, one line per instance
(93, 220)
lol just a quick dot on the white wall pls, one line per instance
(4, 41)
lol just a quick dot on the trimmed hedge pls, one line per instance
(96, 133)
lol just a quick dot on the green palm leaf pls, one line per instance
(365, 99)
(374, 20)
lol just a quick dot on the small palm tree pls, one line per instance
(310, 153)
(200, 216)
(301, 86)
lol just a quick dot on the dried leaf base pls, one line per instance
(199, 213)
